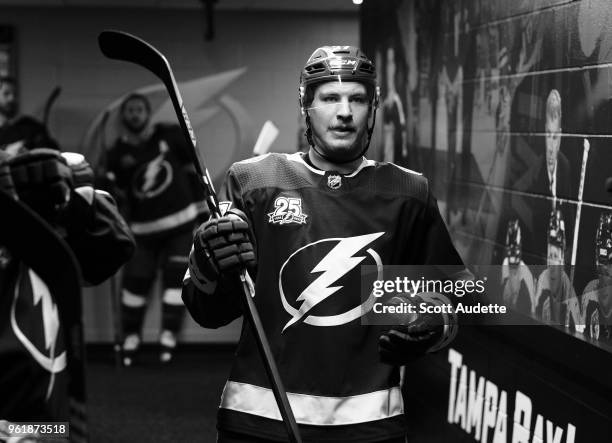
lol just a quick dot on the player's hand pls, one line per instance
(222, 246)
(82, 175)
(404, 344)
(43, 181)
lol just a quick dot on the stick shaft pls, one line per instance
(251, 313)
(585, 158)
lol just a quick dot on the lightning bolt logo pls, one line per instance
(151, 172)
(154, 167)
(337, 263)
(40, 294)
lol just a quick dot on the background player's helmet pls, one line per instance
(337, 63)
(513, 242)
(603, 240)
(556, 231)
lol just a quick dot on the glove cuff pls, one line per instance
(448, 320)
(202, 273)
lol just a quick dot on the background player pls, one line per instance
(597, 295)
(554, 289)
(19, 132)
(517, 280)
(155, 180)
(301, 224)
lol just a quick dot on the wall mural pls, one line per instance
(507, 108)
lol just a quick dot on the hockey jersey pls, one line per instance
(158, 180)
(24, 133)
(42, 376)
(313, 231)
(597, 310)
(518, 287)
(552, 306)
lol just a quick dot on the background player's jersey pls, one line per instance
(313, 231)
(518, 287)
(551, 307)
(158, 180)
(597, 319)
(25, 133)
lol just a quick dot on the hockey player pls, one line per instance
(152, 170)
(597, 295)
(517, 280)
(302, 224)
(42, 194)
(19, 133)
(554, 289)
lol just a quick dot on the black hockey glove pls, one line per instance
(221, 247)
(43, 181)
(426, 332)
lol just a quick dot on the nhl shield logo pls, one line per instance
(334, 181)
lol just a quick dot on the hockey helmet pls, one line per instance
(513, 242)
(603, 240)
(338, 63)
(556, 231)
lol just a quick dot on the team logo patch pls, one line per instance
(224, 206)
(287, 210)
(334, 181)
(40, 332)
(329, 294)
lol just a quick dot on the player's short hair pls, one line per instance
(553, 106)
(135, 96)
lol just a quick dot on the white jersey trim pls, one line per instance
(410, 171)
(296, 157)
(185, 215)
(314, 409)
(255, 159)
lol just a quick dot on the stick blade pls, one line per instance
(119, 45)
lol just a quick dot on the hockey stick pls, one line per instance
(123, 46)
(266, 137)
(49, 103)
(585, 158)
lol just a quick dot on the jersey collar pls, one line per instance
(298, 157)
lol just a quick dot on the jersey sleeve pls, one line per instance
(99, 237)
(436, 244)
(213, 304)
(440, 254)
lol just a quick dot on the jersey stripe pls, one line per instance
(178, 218)
(313, 409)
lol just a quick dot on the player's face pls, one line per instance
(555, 262)
(8, 101)
(135, 115)
(339, 119)
(553, 140)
